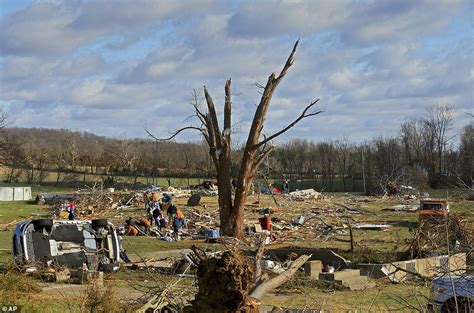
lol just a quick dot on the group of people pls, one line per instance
(155, 207)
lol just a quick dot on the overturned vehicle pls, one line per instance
(91, 244)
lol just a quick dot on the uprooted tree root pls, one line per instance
(442, 235)
(224, 284)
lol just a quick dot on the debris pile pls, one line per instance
(318, 223)
(306, 194)
(440, 236)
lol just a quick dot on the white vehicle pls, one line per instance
(73, 244)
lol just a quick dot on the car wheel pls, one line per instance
(44, 222)
(103, 222)
(464, 305)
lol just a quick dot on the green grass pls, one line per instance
(383, 298)
(89, 179)
(137, 245)
(5, 246)
(17, 210)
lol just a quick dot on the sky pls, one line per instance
(116, 67)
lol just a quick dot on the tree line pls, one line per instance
(423, 154)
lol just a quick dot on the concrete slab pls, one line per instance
(313, 268)
(426, 267)
(326, 256)
(340, 275)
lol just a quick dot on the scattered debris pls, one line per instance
(403, 207)
(306, 194)
(371, 226)
(194, 200)
(416, 268)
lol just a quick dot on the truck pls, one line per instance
(433, 208)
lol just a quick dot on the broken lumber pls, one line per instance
(262, 289)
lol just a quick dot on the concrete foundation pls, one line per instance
(313, 268)
(426, 267)
(327, 257)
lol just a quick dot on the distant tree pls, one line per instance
(3, 120)
(343, 159)
(327, 155)
(72, 150)
(466, 152)
(439, 122)
(3, 125)
(13, 157)
(57, 158)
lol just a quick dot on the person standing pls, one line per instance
(156, 214)
(71, 208)
(167, 204)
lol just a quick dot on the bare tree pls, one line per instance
(466, 151)
(13, 157)
(343, 159)
(439, 122)
(3, 120)
(72, 149)
(127, 156)
(3, 125)
(255, 151)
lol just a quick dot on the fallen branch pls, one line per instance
(261, 290)
(257, 268)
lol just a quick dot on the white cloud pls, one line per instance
(115, 66)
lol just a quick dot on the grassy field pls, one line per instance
(89, 179)
(378, 245)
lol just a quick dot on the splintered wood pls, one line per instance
(442, 235)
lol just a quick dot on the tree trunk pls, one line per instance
(229, 224)
(58, 175)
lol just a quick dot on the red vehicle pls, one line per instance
(433, 208)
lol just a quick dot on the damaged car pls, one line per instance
(91, 244)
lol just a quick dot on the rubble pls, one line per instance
(450, 234)
(400, 271)
(403, 207)
(371, 226)
(306, 194)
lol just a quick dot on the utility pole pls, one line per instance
(363, 171)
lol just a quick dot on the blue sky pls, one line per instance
(115, 67)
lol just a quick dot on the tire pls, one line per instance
(44, 222)
(103, 222)
(464, 305)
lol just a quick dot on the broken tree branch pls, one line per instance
(289, 62)
(257, 268)
(213, 118)
(303, 115)
(261, 290)
(227, 107)
(175, 133)
(263, 155)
